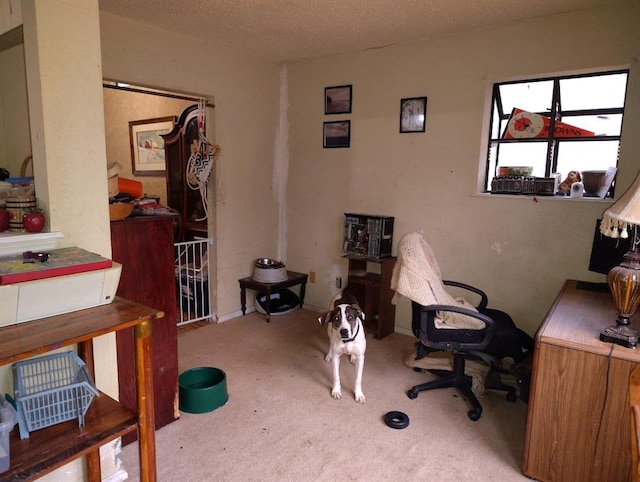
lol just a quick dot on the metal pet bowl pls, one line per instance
(202, 390)
(267, 263)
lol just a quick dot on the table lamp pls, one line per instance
(621, 220)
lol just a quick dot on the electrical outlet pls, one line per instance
(312, 276)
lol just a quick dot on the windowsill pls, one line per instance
(12, 242)
(543, 198)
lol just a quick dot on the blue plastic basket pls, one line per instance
(51, 389)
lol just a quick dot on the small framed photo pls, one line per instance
(337, 134)
(147, 145)
(337, 100)
(413, 114)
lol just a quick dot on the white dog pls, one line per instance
(346, 337)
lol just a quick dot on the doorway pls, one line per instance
(126, 104)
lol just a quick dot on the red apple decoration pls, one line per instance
(33, 222)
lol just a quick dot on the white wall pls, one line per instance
(15, 142)
(10, 14)
(64, 85)
(518, 250)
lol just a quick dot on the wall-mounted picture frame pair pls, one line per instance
(337, 100)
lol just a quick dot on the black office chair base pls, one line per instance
(494, 382)
(454, 379)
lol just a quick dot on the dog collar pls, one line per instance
(347, 340)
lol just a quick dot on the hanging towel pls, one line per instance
(416, 275)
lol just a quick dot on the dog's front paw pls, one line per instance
(359, 397)
(327, 357)
(336, 393)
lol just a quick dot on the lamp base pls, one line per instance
(620, 335)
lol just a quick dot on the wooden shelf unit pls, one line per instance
(50, 448)
(578, 415)
(374, 293)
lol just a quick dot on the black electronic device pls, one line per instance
(606, 252)
(367, 236)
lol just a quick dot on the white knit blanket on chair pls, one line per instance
(417, 276)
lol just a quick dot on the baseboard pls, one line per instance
(403, 331)
(119, 476)
(234, 314)
(314, 308)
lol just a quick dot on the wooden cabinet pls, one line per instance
(144, 247)
(178, 148)
(106, 419)
(374, 293)
(578, 415)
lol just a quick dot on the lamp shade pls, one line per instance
(623, 214)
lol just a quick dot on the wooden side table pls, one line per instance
(52, 447)
(293, 279)
(374, 293)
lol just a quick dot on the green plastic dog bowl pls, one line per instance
(202, 390)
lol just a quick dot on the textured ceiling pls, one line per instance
(281, 30)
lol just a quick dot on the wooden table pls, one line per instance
(106, 420)
(293, 279)
(578, 415)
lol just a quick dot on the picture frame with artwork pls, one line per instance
(337, 99)
(413, 114)
(336, 134)
(147, 145)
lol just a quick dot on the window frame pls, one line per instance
(556, 113)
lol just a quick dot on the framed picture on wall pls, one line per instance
(337, 100)
(147, 147)
(336, 134)
(413, 114)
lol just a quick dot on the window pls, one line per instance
(556, 125)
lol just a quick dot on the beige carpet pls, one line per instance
(280, 422)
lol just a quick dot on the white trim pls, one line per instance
(13, 242)
(404, 331)
(146, 89)
(118, 476)
(531, 197)
(564, 73)
(234, 314)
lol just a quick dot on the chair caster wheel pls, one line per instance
(412, 394)
(474, 415)
(511, 396)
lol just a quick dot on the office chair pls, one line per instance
(444, 323)
(464, 344)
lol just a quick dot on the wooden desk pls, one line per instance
(578, 415)
(293, 279)
(106, 420)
